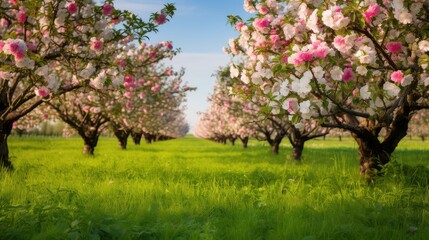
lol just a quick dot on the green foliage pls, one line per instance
(195, 189)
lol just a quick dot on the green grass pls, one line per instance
(195, 189)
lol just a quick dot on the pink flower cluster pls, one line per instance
(21, 16)
(107, 9)
(397, 76)
(372, 11)
(319, 50)
(15, 47)
(160, 19)
(42, 92)
(262, 24)
(72, 7)
(97, 44)
(394, 47)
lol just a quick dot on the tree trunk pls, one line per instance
(122, 136)
(148, 138)
(5, 130)
(137, 137)
(90, 142)
(245, 141)
(297, 148)
(423, 138)
(375, 154)
(88, 149)
(275, 147)
(372, 156)
(232, 140)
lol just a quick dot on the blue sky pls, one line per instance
(200, 29)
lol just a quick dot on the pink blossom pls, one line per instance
(160, 19)
(72, 7)
(31, 46)
(96, 44)
(156, 88)
(276, 40)
(129, 105)
(128, 79)
(4, 23)
(107, 9)
(1, 45)
(336, 9)
(348, 74)
(18, 49)
(291, 105)
(261, 24)
(321, 52)
(285, 58)
(239, 25)
(122, 63)
(397, 76)
(128, 95)
(394, 47)
(169, 72)
(152, 54)
(168, 45)
(13, 2)
(339, 42)
(42, 92)
(262, 9)
(372, 11)
(305, 56)
(21, 16)
(86, 108)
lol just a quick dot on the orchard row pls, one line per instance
(357, 66)
(87, 65)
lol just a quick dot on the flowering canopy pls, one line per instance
(357, 65)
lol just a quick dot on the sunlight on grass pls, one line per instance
(195, 189)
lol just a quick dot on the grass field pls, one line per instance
(195, 189)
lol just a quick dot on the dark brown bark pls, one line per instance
(372, 156)
(275, 146)
(245, 141)
(297, 148)
(90, 142)
(5, 130)
(137, 137)
(121, 134)
(232, 140)
(148, 137)
(373, 153)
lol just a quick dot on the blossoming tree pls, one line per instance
(272, 127)
(354, 65)
(46, 44)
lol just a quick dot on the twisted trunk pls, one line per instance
(297, 148)
(121, 134)
(137, 137)
(373, 153)
(232, 140)
(5, 130)
(90, 138)
(245, 141)
(90, 142)
(148, 138)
